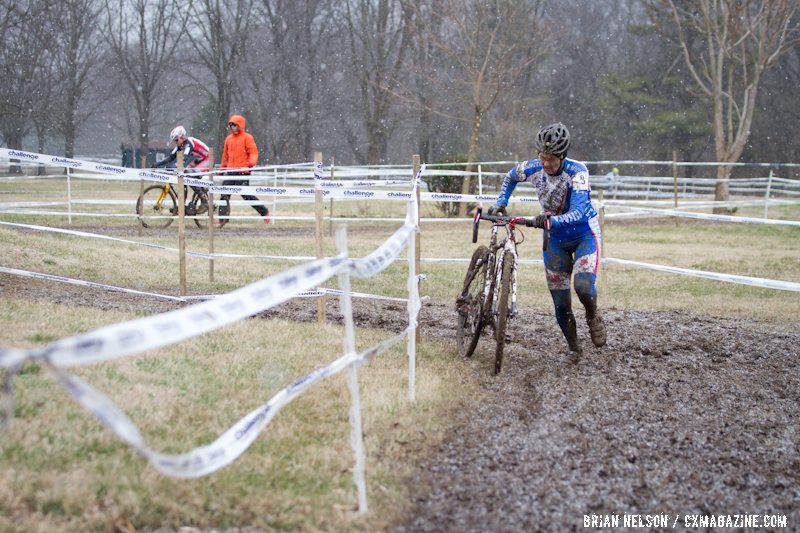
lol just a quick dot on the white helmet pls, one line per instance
(177, 133)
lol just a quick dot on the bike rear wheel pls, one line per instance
(154, 213)
(470, 304)
(502, 310)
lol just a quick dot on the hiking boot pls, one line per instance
(597, 330)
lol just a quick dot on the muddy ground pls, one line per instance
(677, 415)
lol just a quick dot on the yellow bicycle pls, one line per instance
(157, 206)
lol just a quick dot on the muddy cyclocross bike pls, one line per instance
(489, 293)
(157, 206)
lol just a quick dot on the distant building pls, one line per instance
(132, 155)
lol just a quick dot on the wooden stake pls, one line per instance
(211, 217)
(330, 214)
(181, 223)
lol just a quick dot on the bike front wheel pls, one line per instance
(470, 304)
(502, 310)
(156, 207)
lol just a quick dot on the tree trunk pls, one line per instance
(40, 138)
(144, 141)
(721, 188)
(472, 154)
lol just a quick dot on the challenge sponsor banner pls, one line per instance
(384, 255)
(331, 189)
(359, 194)
(110, 170)
(356, 184)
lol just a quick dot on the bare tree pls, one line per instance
(378, 41)
(23, 34)
(76, 59)
(218, 32)
(286, 76)
(739, 39)
(489, 46)
(143, 35)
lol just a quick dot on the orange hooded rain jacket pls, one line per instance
(240, 150)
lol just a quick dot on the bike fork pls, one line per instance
(513, 312)
(164, 192)
(498, 277)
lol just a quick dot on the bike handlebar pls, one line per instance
(504, 219)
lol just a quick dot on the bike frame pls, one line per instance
(164, 193)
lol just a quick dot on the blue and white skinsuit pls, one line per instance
(574, 235)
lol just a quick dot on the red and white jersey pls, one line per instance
(196, 153)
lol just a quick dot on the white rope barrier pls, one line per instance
(120, 340)
(71, 281)
(732, 278)
(709, 216)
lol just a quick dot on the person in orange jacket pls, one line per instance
(240, 153)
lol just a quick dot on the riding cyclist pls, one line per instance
(196, 154)
(567, 214)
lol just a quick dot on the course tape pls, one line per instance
(120, 340)
(112, 170)
(204, 460)
(743, 280)
(359, 194)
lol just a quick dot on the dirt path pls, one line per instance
(677, 415)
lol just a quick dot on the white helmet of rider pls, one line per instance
(177, 133)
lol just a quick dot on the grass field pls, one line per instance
(60, 469)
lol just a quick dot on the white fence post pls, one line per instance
(69, 198)
(412, 217)
(318, 233)
(766, 196)
(356, 434)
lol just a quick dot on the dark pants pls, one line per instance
(262, 210)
